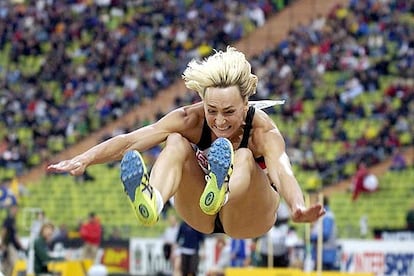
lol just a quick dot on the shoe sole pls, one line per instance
(133, 175)
(220, 160)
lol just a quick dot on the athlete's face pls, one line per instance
(225, 110)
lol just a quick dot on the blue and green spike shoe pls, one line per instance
(220, 164)
(135, 179)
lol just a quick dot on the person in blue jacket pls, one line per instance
(189, 241)
(238, 252)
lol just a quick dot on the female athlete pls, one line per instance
(223, 161)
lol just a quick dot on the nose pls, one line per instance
(220, 120)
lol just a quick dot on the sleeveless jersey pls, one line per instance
(203, 146)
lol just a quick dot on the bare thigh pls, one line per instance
(253, 213)
(187, 195)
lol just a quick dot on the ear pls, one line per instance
(246, 105)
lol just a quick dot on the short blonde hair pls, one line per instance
(223, 69)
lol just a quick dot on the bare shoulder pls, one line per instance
(263, 123)
(265, 133)
(183, 120)
(194, 112)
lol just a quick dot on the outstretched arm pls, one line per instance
(281, 174)
(113, 149)
(109, 150)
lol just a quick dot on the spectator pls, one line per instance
(278, 240)
(351, 45)
(330, 246)
(61, 235)
(222, 257)
(293, 242)
(255, 258)
(115, 235)
(42, 257)
(363, 181)
(396, 34)
(363, 226)
(38, 223)
(169, 238)
(10, 242)
(398, 161)
(238, 253)
(91, 234)
(189, 241)
(114, 62)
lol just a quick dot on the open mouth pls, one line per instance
(222, 128)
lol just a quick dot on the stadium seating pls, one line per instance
(62, 197)
(385, 208)
(124, 25)
(68, 200)
(395, 187)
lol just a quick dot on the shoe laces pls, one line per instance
(148, 189)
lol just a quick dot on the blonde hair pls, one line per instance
(223, 69)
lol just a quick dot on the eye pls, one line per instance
(229, 112)
(210, 111)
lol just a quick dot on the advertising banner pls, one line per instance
(146, 257)
(378, 257)
(116, 259)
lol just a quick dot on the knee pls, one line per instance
(244, 156)
(177, 142)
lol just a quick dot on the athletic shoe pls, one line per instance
(220, 165)
(135, 178)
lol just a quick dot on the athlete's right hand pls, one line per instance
(73, 166)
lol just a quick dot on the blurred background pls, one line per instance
(76, 72)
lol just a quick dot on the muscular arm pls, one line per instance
(272, 146)
(141, 139)
(280, 170)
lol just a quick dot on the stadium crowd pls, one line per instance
(57, 86)
(365, 42)
(369, 43)
(139, 49)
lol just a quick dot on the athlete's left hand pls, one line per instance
(308, 214)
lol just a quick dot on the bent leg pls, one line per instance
(167, 170)
(252, 203)
(176, 173)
